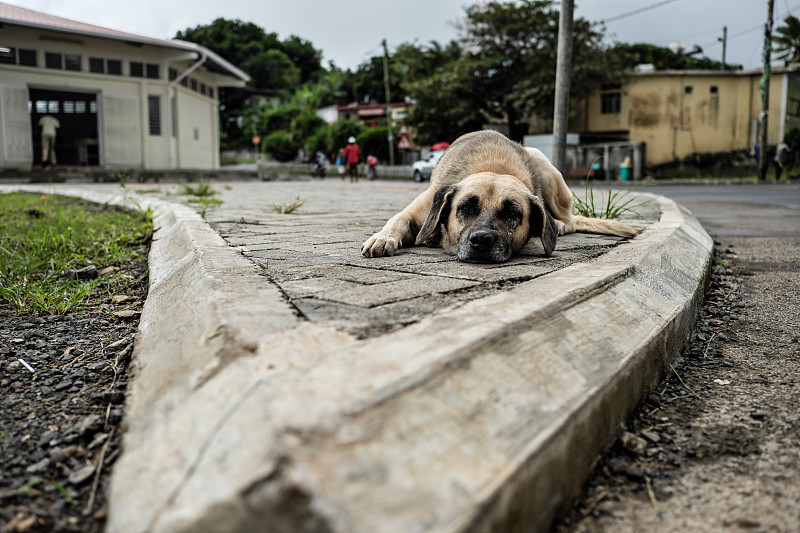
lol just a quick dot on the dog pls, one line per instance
(487, 197)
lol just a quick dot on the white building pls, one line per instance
(123, 101)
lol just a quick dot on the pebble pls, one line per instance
(652, 436)
(41, 466)
(81, 475)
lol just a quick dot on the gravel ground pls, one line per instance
(715, 446)
(60, 419)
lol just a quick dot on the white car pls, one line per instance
(424, 168)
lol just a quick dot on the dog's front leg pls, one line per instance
(400, 230)
(395, 233)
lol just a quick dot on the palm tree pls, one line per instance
(787, 40)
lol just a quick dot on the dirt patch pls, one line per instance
(63, 380)
(715, 446)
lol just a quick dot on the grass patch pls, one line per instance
(285, 209)
(42, 237)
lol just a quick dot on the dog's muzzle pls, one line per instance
(483, 245)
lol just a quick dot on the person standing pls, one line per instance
(782, 157)
(352, 154)
(372, 164)
(49, 126)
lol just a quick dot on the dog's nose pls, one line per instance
(481, 240)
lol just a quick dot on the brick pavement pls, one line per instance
(313, 254)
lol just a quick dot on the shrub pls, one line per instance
(281, 146)
(373, 141)
(320, 141)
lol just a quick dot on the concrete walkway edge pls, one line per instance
(486, 417)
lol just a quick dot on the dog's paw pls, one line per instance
(380, 245)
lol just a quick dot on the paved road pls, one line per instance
(764, 210)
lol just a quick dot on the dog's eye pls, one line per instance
(469, 207)
(510, 213)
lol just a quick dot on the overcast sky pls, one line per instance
(350, 31)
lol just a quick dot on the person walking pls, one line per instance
(49, 126)
(372, 164)
(782, 157)
(352, 154)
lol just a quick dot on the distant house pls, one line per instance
(678, 113)
(123, 100)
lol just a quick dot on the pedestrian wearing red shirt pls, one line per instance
(352, 154)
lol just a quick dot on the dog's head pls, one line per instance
(486, 218)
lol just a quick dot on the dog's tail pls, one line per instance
(604, 227)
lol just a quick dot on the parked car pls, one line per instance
(424, 168)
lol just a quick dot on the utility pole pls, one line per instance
(563, 71)
(724, 40)
(389, 136)
(764, 86)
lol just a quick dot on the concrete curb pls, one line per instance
(483, 418)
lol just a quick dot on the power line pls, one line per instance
(637, 11)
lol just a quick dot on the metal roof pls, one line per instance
(20, 16)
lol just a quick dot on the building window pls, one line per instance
(8, 55)
(714, 89)
(184, 82)
(193, 83)
(153, 71)
(154, 113)
(610, 103)
(687, 89)
(210, 92)
(69, 106)
(52, 106)
(53, 60)
(137, 69)
(97, 65)
(72, 62)
(26, 57)
(172, 73)
(114, 67)
(202, 88)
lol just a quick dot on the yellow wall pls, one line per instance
(719, 113)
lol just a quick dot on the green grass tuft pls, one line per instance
(607, 204)
(285, 209)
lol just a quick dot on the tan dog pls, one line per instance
(487, 197)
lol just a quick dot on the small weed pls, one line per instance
(608, 204)
(203, 189)
(60, 488)
(146, 212)
(716, 261)
(206, 203)
(285, 209)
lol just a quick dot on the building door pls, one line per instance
(76, 138)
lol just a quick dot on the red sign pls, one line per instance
(256, 139)
(404, 143)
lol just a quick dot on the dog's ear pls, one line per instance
(440, 210)
(542, 225)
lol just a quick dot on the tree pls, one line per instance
(787, 40)
(662, 58)
(276, 67)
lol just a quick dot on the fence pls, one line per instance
(272, 170)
